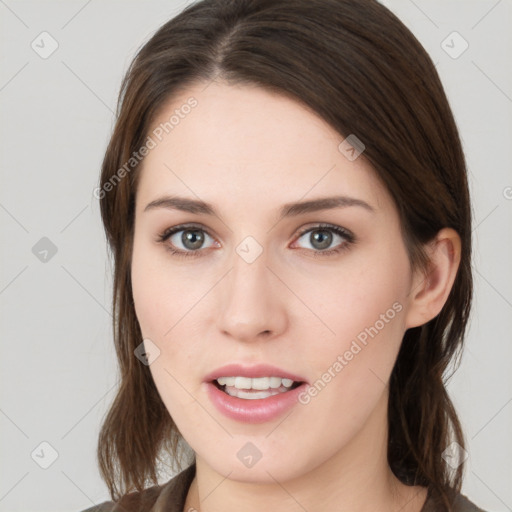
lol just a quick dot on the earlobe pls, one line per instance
(430, 290)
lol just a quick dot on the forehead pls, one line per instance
(239, 142)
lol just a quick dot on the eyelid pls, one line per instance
(340, 230)
(183, 227)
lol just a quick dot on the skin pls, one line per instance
(247, 152)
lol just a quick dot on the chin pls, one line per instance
(270, 462)
(261, 473)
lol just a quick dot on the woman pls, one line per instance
(286, 200)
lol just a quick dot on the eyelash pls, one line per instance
(349, 237)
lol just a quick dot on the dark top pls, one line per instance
(171, 496)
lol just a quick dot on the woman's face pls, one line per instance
(319, 294)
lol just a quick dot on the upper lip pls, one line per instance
(254, 371)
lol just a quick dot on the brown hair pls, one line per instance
(357, 66)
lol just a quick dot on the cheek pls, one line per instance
(164, 302)
(368, 291)
(160, 304)
(365, 311)
(158, 294)
(147, 294)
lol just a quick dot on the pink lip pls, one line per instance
(260, 370)
(252, 411)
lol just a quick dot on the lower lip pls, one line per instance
(260, 410)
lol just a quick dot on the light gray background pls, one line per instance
(58, 371)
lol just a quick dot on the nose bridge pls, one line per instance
(250, 306)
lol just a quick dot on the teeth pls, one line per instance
(243, 383)
(252, 395)
(226, 381)
(275, 382)
(260, 383)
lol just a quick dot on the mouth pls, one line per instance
(253, 394)
(257, 388)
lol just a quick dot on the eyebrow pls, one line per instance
(287, 210)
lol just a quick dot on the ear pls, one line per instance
(430, 290)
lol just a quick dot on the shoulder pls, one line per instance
(460, 504)
(106, 506)
(131, 502)
(169, 497)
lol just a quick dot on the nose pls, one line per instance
(251, 304)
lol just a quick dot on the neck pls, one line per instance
(357, 478)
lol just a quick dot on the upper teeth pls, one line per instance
(258, 383)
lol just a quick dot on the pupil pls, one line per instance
(321, 239)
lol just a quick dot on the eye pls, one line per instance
(322, 237)
(189, 240)
(185, 240)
